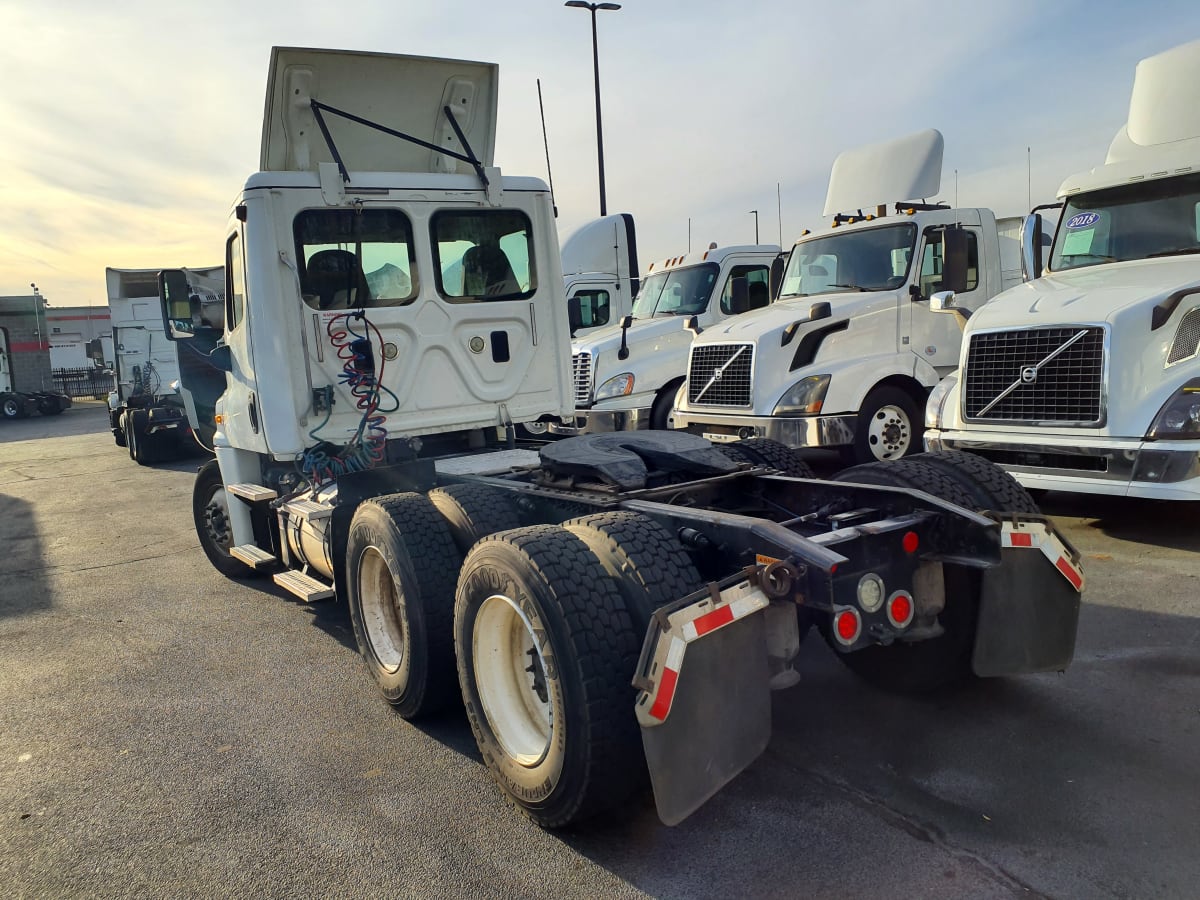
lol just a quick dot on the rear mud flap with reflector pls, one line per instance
(1029, 604)
(705, 700)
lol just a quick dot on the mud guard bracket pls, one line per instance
(705, 700)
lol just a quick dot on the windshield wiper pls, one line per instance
(852, 287)
(1178, 251)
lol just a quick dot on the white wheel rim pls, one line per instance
(380, 602)
(536, 427)
(890, 433)
(504, 650)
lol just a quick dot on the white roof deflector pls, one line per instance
(907, 168)
(405, 94)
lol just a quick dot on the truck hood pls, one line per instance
(779, 315)
(642, 331)
(1104, 293)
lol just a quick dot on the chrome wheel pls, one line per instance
(381, 616)
(889, 434)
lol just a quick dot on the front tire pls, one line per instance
(401, 566)
(889, 426)
(11, 407)
(210, 513)
(546, 649)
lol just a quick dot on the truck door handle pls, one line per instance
(253, 410)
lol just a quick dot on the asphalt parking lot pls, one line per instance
(167, 732)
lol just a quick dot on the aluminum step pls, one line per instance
(308, 510)
(253, 556)
(303, 586)
(251, 492)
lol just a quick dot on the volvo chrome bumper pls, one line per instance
(599, 421)
(795, 431)
(1134, 467)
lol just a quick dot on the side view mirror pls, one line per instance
(574, 314)
(954, 259)
(692, 324)
(739, 296)
(175, 297)
(623, 352)
(626, 321)
(221, 358)
(1032, 262)
(820, 310)
(778, 264)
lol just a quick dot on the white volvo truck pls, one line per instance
(604, 604)
(849, 351)
(1087, 379)
(147, 412)
(627, 375)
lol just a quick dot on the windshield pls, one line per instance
(873, 259)
(676, 292)
(1133, 221)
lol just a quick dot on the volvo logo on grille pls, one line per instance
(718, 373)
(1029, 375)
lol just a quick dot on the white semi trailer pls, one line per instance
(1087, 379)
(602, 604)
(849, 351)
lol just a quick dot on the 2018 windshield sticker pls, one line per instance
(1083, 220)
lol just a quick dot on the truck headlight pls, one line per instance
(804, 398)
(937, 400)
(1180, 416)
(619, 386)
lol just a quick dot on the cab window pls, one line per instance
(594, 307)
(351, 259)
(235, 285)
(931, 263)
(758, 287)
(483, 255)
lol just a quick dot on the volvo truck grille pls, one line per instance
(1036, 375)
(581, 365)
(720, 374)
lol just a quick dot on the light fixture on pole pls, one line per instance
(754, 212)
(581, 4)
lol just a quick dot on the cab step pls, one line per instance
(308, 510)
(255, 493)
(253, 556)
(303, 585)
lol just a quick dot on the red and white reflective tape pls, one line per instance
(1035, 535)
(692, 623)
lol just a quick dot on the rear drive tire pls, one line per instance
(210, 513)
(987, 482)
(119, 437)
(775, 454)
(920, 666)
(472, 512)
(546, 649)
(889, 426)
(401, 566)
(645, 561)
(144, 447)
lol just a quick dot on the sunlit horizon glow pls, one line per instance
(130, 127)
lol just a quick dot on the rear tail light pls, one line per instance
(900, 609)
(847, 626)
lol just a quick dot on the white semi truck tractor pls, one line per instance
(847, 354)
(602, 605)
(148, 412)
(627, 375)
(15, 404)
(1087, 379)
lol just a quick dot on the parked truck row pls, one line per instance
(604, 605)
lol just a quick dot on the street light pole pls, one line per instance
(754, 212)
(581, 4)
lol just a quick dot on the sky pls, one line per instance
(128, 127)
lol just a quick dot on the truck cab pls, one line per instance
(1087, 379)
(627, 375)
(600, 272)
(848, 352)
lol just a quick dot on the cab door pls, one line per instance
(241, 404)
(758, 289)
(937, 337)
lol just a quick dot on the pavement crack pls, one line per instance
(120, 562)
(922, 831)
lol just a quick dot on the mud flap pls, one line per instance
(1029, 604)
(705, 700)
